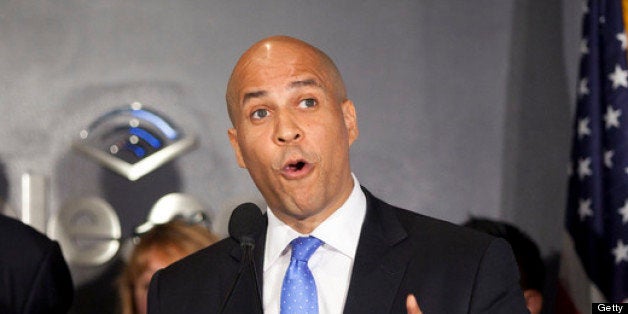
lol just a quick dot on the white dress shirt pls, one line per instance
(331, 264)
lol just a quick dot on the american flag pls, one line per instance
(597, 212)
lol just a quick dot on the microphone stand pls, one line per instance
(247, 245)
(231, 289)
(251, 261)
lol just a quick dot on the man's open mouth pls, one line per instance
(296, 166)
(296, 169)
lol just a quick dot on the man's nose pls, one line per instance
(287, 130)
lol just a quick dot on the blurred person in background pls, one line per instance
(157, 248)
(527, 254)
(34, 277)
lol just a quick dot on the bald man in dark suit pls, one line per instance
(293, 126)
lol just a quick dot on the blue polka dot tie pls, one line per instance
(298, 293)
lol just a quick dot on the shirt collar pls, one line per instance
(340, 231)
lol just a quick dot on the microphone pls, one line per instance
(245, 225)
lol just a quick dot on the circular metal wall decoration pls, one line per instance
(133, 141)
(88, 230)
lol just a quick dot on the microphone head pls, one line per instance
(246, 223)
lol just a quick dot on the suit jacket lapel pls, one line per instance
(379, 262)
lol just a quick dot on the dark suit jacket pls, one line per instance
(34, 277)
(448, 268)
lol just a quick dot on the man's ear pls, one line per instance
(351, 120)
(233, 139)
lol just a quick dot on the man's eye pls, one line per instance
(259, 114)
(307, 103)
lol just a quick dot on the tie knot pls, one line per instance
(304, 247)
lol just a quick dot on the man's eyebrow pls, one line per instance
(308, 82)
(294, 84)
(255, 94)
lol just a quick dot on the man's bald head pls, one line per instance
(277, 50)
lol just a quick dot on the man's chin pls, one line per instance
(299, 210)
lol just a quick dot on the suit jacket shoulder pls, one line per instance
(450, 269)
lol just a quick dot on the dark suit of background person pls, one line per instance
(448, 268)
(34, 277)
(293, 126)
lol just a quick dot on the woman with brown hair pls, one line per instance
(161, 246)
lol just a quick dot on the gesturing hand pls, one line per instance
(412, 306)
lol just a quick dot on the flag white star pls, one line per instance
(620, 252)
(583, 128)
(584, 167)
(584, 46)
(622, 38)
(619, 77)
(602, 19)
(608, 158)
(611, 118)
(623, 211)
(583, 87)
(584, 209)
